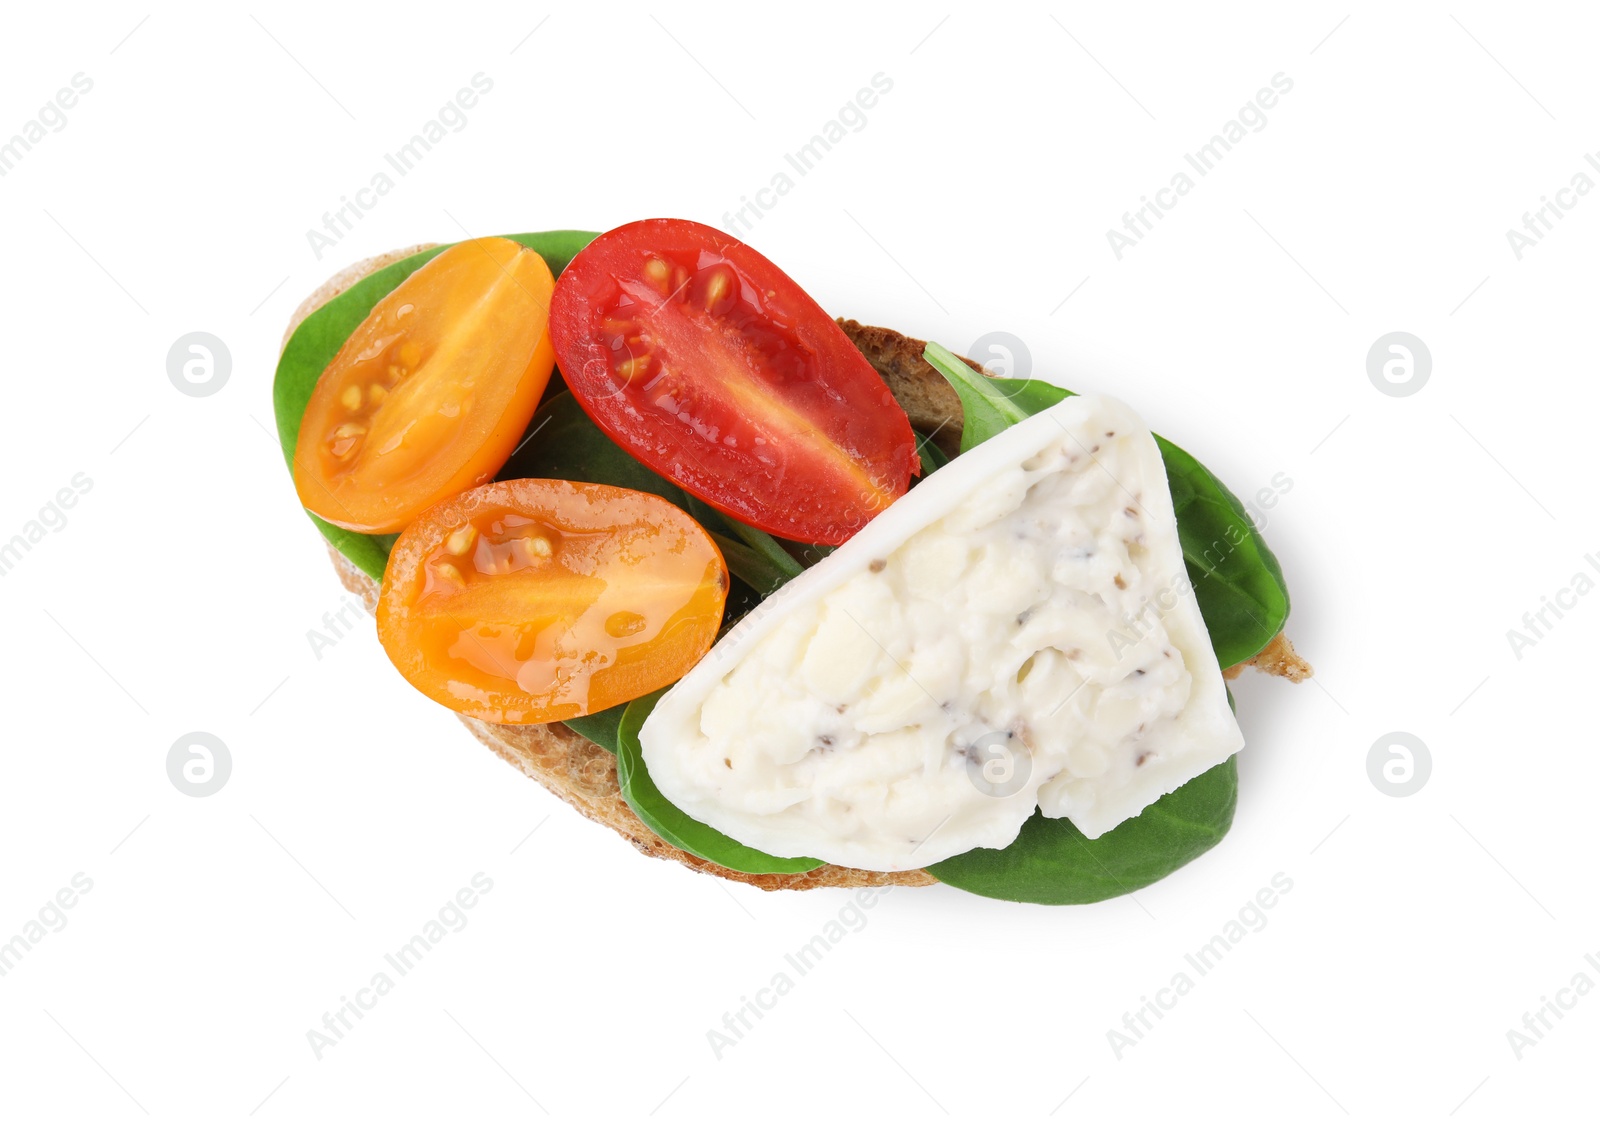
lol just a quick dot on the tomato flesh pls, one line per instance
(536, 600)
(711, 366)
(431, 393)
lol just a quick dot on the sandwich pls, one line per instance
(790, 600)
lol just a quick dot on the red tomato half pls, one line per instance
(713, 368)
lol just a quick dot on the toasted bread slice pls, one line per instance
(585, 775)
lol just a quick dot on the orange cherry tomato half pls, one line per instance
(712, 367)
(536, 600)
(432, 392)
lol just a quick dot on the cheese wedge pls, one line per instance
(1018, 631)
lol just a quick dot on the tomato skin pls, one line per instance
(431, 393)
(711, 366)
(535, 600)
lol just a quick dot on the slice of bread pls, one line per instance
(585, 775)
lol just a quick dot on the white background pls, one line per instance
(1417, 532)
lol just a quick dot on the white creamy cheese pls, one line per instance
(1017, 631)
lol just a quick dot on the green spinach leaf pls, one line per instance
(931, 455)
(1052, 862)
(600, 728)
(1237, 580)
(990, 405)
(768, 547)
(754, 557)
(986, 410)
(562, 442)
(675, 826)
(316, 341)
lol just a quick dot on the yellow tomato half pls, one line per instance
(432, 392)
(536, 600)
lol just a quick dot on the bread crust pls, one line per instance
(584, 774)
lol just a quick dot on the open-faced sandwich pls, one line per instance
(792, 601)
